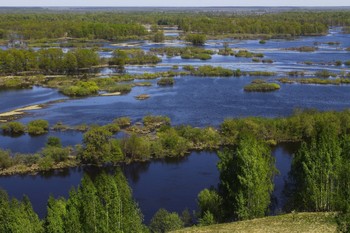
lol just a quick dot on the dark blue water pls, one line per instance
(283, 159)
(170, 184)
(198, 102)
(32, 144)
(12, 99)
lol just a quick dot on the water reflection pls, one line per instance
(283, 154)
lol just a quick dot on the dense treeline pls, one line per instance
(319, 178)
(157, 139)
(47, 61)
(102, 204)
(92, 26)
(116, 26)
(290, 23)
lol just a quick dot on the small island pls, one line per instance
(259, 85)
(166, 81)
(142, 97)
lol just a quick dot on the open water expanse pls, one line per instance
(174, 184)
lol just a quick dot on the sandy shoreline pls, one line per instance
(111, 94)
(20, 111)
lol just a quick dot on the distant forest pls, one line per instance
(125, 25)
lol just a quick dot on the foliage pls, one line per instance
(13, 128)
(261, 87)
(196, 39)
(158, 37)
(172, 143)
(102, 205)
(133, 56)
(324, 74)
(154, 122)
(100, 147)
(210, 206)
(211, 71)
(18, 216)
(5, 159)
(56, 153)
(53, 141)
(207, 219)
(185, 52)
(136, 148)
(37, 127)
(320, 170)
(166, 81)
(81, 89)
(246, 179)
(46, 61)
(122, 121)
(303, 49)
(163, 221)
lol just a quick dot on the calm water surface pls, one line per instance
(174, 184)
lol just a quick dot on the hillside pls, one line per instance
(297, 222)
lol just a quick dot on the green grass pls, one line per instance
(261, 87)
(294, 222)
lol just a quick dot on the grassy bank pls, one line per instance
(294, 222)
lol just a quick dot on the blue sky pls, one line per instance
(174, 3)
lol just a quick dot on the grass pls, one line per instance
(294, 222)
(261, 87)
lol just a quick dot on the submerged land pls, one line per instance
(124, 97)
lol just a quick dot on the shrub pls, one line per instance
(81, 89)
(122, 121)
(155, 121)
(5, 159)
(57, 154)
(324, 74)
(163, 221)
(53, 141)
(45, 163)
(136, 147)
(13, 128)
(166, 81)
(123, 88)
(208, 70)
(338, 63)
(261, 87)
(113, 128)
(38, 127)
(196, 39)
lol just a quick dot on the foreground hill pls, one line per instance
(297, 222)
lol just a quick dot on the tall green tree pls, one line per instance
(316, 168)
(246, 174)
(56, 211)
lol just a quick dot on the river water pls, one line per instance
(174, 184)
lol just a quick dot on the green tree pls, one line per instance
(246, 179)
(37, 127)
(100, 147)
(72, 222)
(70, 63)
(196, 39)
(159, 37)
(316, 169)
(163, 221)
(56, 211)
(209, 201)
